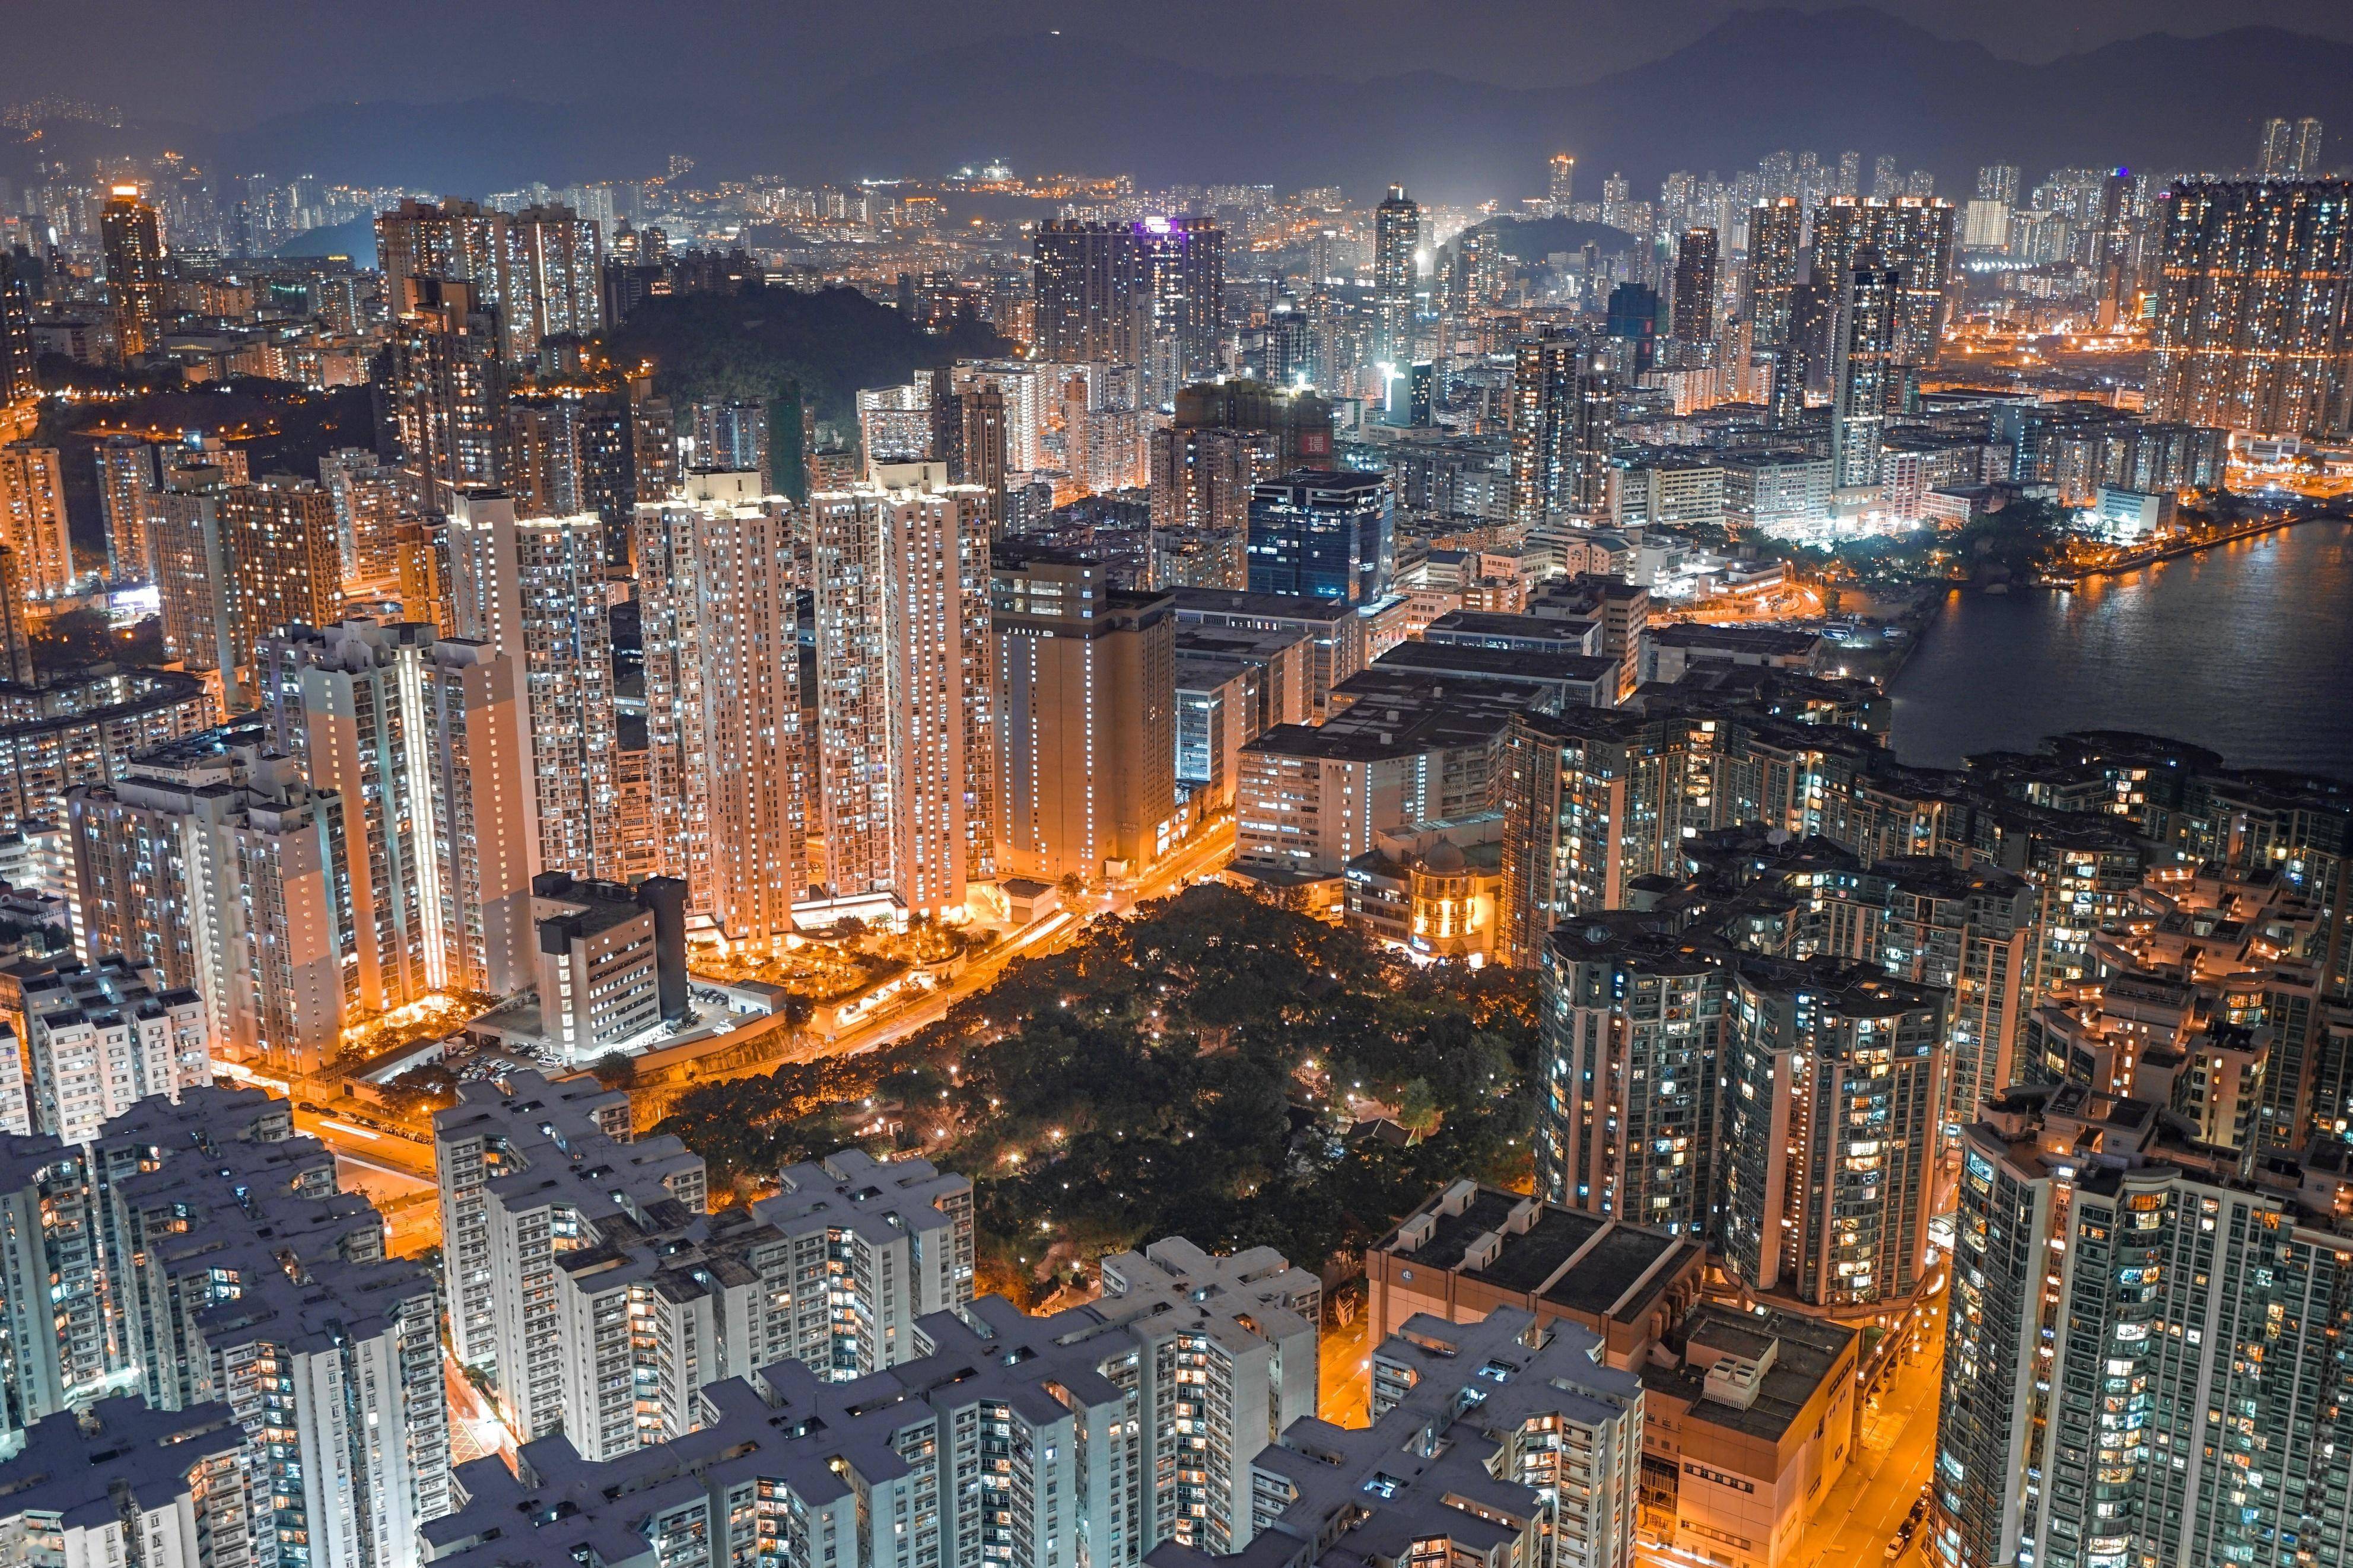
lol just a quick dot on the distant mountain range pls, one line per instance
(1763, 80)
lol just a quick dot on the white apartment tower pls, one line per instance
(717, 591)
(904, 737)
(533, 589)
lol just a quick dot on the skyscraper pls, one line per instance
(347, 699)
(533, 589)
(1999, 182)
(1910, 234)
(1829, 1134)
(905, 743)
(1324, 534)
(1695, 301)
(135, 270)
(485, 848)
(1181, 266)
(550, 260)
(2290, 151)
(365, 491)
(33, 519)
(2144, 1358)
(716, 588)
(446, 385)
(2250, 329)
(1562, 192)
(127, 495)
(1396, 233)
(19, 384)
(1862, 373)
(1083, 278)
(1562, 418)
(214, 861)
(1633, 1032)
(1108, 293)
(1084, 706)
(278, 564)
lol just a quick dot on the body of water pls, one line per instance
(2246, 650)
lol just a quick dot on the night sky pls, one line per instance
(226, 63)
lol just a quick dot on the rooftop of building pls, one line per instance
(1773, 640)
(1538, 668)
(73, 1461)
(1806, 1353)
(1585, 1263)
(1235, 603)
(853, 1191)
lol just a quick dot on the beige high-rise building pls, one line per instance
(905, 742)
(33, 519)
(279, 565)
(185, 547)
(549, 260)
(716, 594)
(215, 862)
(484, 852)
(346, 699)
(1086, 765)
(533, 588)
(366, 494)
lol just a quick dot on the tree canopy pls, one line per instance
(1199, 1070)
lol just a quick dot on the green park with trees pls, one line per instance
(1213, 1066)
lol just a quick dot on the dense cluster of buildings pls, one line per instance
(1353, 523)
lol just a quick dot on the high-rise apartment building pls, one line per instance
(133, 247)
(537, 269)
(20, 382)
(128, 495)
(1694, 299)
(1633, 1029)
(214, 862)
(198, 1253)
(237, 1274)
(1561, 423)
(103, 1037)
(346, 698)
(873, 1247)
(717, 589)
(1084, 705)
(1220, 1339)
(1864, 374)
(446, 386)
(2251, 328)
(365, 493)
(485, 846)
(1397, 236)
(533, 589)
(1829, 1135)
(1323, 533)
(2144, 1358)
(1561, 191)
(550, 260)
(906, 738)
(120, 1481)
(1910, 235)
(2290, 151)
(1106, 293)
(279, 564)
(1999, 182)
(33, 519)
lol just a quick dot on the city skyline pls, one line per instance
(1286, 814)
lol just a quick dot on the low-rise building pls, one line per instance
(1472, 1249)
(1751, 1422)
